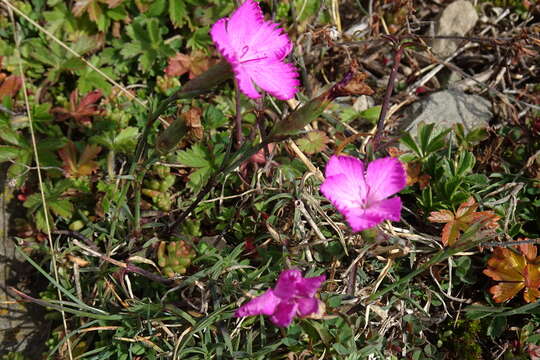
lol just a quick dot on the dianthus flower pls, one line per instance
(362, 196)
(293, 296)
(256, 49)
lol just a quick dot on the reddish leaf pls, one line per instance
(194, 64)
(442, 216)
(91, 7)
(10, 86)
(514, 271)
(84, 166)
(464, 217)
(82, 111)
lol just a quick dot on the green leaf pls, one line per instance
(424, 135)
(62, 207)
(8, 153)
(466, 163)
(177, 12)
(157, 8)
(41, 224)
(214, 118)
(196, 157)
(372, 114)
(313, 142)
(154, 34)
(407, 140)
(477, 135)
(437, 143)
(126, 140)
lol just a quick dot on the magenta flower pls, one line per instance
(293, 296)
(362, 195)
(256, 49)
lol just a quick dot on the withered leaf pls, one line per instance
(194, 64)
(10, 86)
(514, 271)
(464, 217)
(84, 166)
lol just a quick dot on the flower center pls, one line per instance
(245, 51)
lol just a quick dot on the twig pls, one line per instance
(388, 94)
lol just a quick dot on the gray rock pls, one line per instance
(457, 19)
(446, 108)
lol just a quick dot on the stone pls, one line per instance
(446, 108)
(457, 19)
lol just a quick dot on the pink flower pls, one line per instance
(293, 296)
(362, 195)
(256, 49)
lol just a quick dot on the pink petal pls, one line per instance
(385, 177)
(389, 209)
(268, 41)
(242, 22)
(276, 77)
(265, 304)
(344, 186)
(308, 287)
(220, 37)
(339, 190)
(359, 219)
(363, 219)
(286, 284)
(284, 313)
(307, 306)
(245, 83)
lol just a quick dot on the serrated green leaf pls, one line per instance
(152, 25)
(407, 140)
(157, 8)
(313, 142)
(196, 157)
(177, 12)
(372, 114)
(41, 224)
(214, 118)
(424, 135)
(61, 207)
(466, 163)
(9, 153)
(126, 140)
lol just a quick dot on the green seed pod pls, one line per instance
(150, 193)
(154, 184)
(164, 203)
(76, 225)
(167, 182)
(184, 261)
(171, 247)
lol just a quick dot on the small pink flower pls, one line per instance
(362, 195)
(256, 49)
(293, 296)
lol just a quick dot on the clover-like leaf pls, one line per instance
(85, 165)
(465, 216)
(313, 142)
(514, 271)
